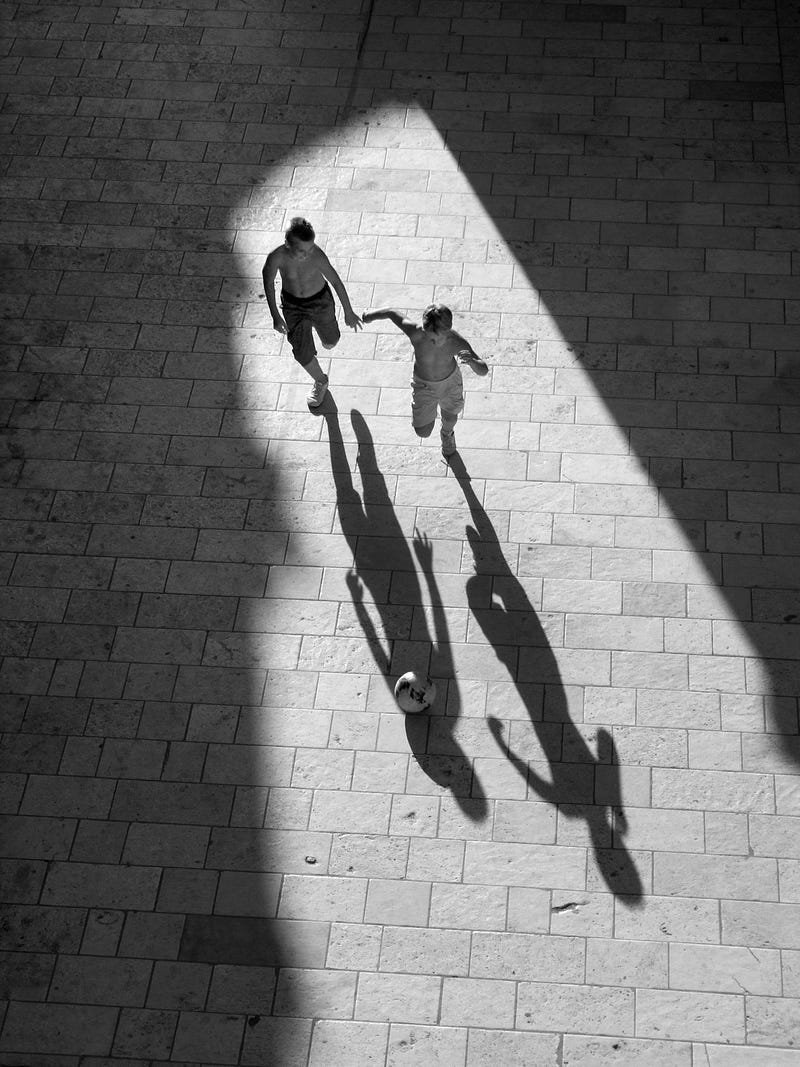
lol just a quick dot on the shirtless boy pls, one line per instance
(437, 381)
(306, 300)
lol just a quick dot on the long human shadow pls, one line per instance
(399, 638)
(640, 341)
(513, 629)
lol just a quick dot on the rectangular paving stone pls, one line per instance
(323, 898)
(515, 1048)
(254, 941)
(627, 963)
(424, 951)
(31, 753)
(369, 856)
(71, 797)
(394, 902)
(717, 968)
(583, 1051)
(100, 981)
(525, 865)
(219, 684)
(398, 998)
(73, 1029)
(691, 920)
(743, 877)
(697, 1016)
(337, 1039)
(26, 975)
(328, 993)
(144, 1032)
(202, 1034)
(160, 844)
(771, 1020)
(283, 850)
(759, 925)
(531, 957)
(27, 603)
(243, 989)
(139, 541)
(37, 928)
(162, 609)
(23, 880)
(101, 885)
(714, 790)
(190, 803)
(158, 645)
(576, 1008)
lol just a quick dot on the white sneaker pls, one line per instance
(317, 393)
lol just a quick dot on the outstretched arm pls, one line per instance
(423, 550)
(330, 272)
(468, 355)
(408, 326)
(357, 592)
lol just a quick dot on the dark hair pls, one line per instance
(437, 316)
(301, 229)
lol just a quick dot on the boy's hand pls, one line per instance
(355, 585)
(366, 316)
(475, 362)
(352, 320)
(423, 549)
(278, 324)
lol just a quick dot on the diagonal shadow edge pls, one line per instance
(771, 674)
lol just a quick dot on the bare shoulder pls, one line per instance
(276, 257)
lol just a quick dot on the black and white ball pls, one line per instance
(414, 692)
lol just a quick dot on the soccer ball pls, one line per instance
(414, 692)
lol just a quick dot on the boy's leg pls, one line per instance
(298, 332)
(448, 433)
(449, 420)
(451, 404)
(315, 370)
(423, 407)
(323, 315)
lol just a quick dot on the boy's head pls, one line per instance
(300, 237)
(437, 317)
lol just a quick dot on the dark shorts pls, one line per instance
(301, 313)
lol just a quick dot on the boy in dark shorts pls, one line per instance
(436, 383)
(306, 300)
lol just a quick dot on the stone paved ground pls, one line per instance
(224, 845)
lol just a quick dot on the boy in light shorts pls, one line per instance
(436, 383)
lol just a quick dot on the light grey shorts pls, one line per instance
(426, 397)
